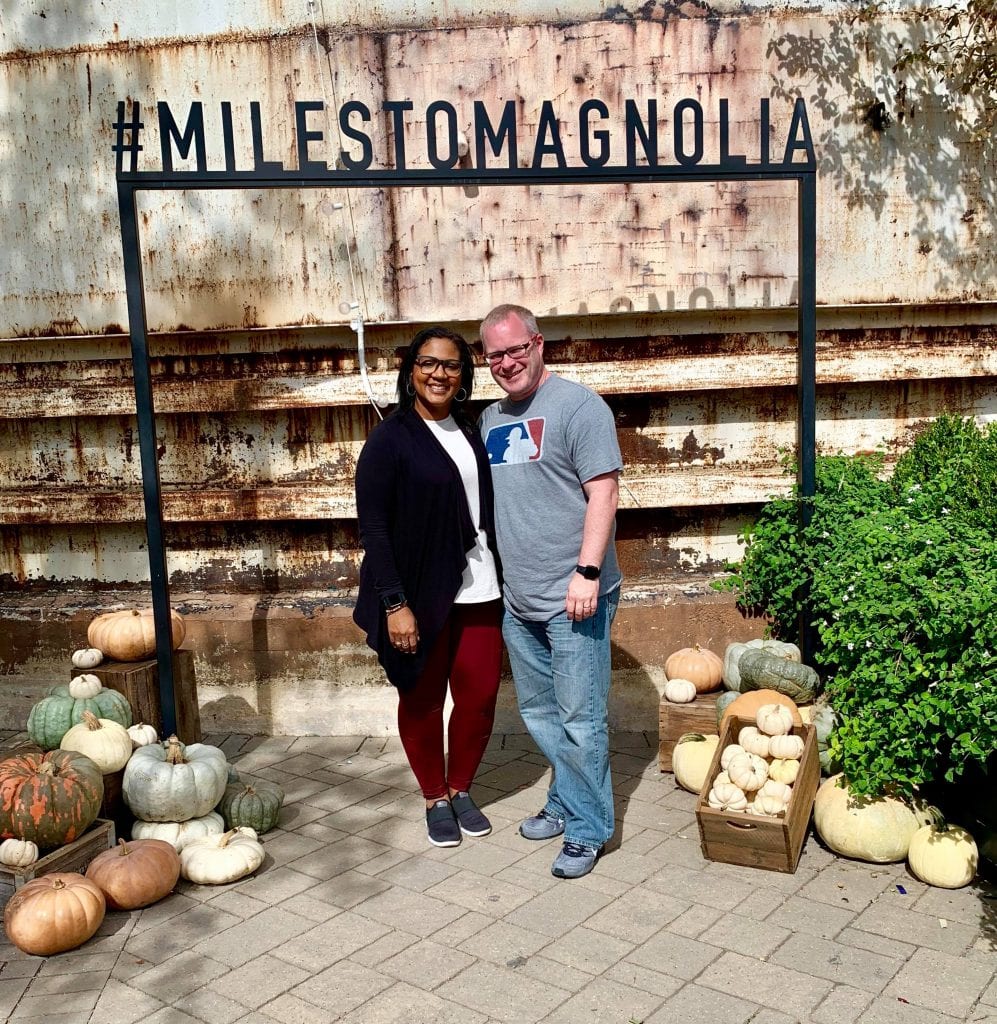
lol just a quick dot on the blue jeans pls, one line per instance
(562, 671)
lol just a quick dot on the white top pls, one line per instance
(480, 582)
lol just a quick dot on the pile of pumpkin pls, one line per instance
(194, 817)
(885, 829)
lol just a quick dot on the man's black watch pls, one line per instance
(590, 572)
(392, 602)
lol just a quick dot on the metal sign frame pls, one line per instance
(130, 182)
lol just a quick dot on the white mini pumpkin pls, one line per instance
(787, 748)
(774, 719)
(777, 789)
(680, 691)
(142, 735)
(729, 752)
(220, 859)
(18, 853)
(722, 777)
(753, 741)
(104, 741)
(180, 833)
(768, 805)
(87, 657)
(783, 770)
(84, 686)
(727, 797)
(748, 772)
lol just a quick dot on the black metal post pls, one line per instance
(807, 375)
(151, 490)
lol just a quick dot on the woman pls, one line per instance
(429, 597)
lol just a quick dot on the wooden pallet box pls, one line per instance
(774, 844)
(138, 682)
(74, 856)
(674, 720)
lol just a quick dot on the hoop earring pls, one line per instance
(461, 395)
(409, 390)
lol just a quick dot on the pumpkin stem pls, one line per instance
(174, 751)
(124, 847)
(92, 721)
(58, 883)
(46, 768)
(223, 842)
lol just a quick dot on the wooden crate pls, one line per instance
(74, 856)
(760, 842)
(138, 681)
(675, 719)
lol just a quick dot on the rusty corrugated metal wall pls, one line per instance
(675, 303)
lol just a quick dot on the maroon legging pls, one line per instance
(468, 653)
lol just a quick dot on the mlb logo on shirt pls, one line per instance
(512, 443)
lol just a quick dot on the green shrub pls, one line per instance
(902, 578)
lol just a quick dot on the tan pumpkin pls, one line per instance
(875, 829)
(746, 705)
(131, 635)
(135, 874)
(701, 666)
(691, 759)
(943, 855)
(104, 741)
(53, 913)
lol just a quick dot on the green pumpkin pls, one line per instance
(762, 671)
(724, 701)
(53, 716)
(255, 804)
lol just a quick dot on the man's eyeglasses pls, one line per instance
(513, 352)
(429, 365)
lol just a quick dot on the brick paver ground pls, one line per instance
(355, 918)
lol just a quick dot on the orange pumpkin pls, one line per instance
(135, 874)
(697, 664)
(746, 705)
(53, 913)
(131, 635)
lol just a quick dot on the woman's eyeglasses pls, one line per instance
(430, 364)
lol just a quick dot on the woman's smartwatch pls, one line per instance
(392, 602)
(590, 572)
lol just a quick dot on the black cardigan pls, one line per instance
(416, 531)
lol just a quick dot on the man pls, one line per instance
(555, 465)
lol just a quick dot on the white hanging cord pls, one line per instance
(353, 307)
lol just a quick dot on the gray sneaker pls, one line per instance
(574, 860)
(541, 826)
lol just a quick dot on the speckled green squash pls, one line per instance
(761, 671)
(53, 716)
(254, 804)
(724, 701)
(49, 799)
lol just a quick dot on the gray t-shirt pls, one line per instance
(541, 451)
